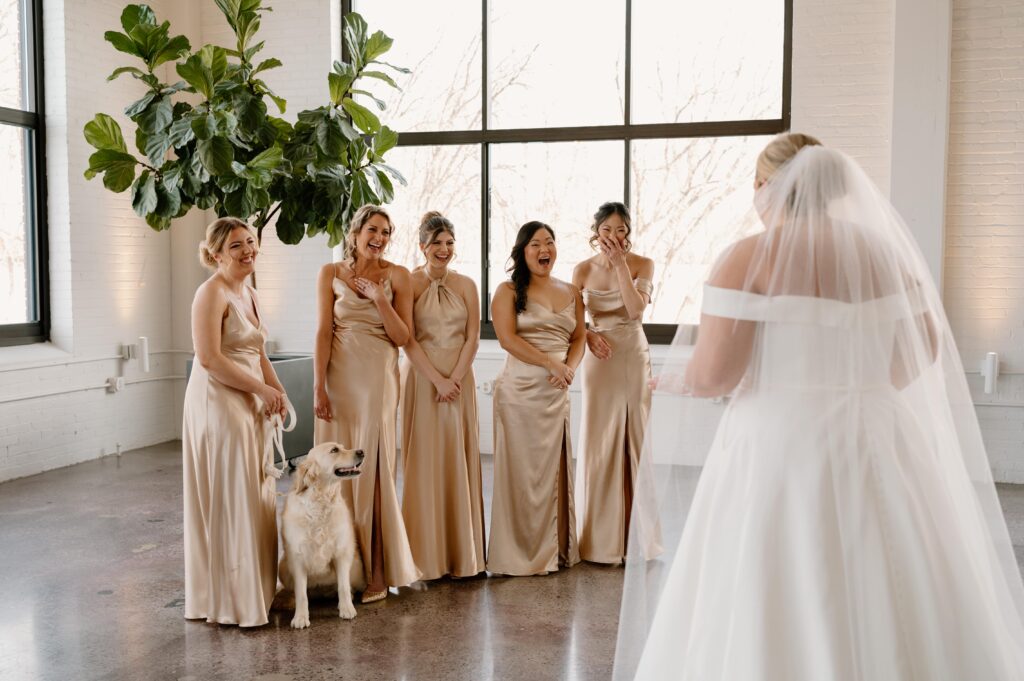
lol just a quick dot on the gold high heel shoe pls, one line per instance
(373, 596)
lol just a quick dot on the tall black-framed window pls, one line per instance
(24, 303)
(540, 110)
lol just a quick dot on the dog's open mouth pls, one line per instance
(349, 472)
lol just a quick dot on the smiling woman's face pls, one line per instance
(540, 253)
(238, 255)
(373, 238)
(440, 250)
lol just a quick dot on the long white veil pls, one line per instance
(835, 262)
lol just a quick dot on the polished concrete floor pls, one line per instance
(91, 563)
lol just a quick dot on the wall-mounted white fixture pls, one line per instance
(144, 353)
(139, 351)
(990, 371)
(115, 384)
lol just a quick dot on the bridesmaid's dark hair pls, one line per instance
(606, 211)
(518, 271)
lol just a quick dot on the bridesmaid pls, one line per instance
(616, 286)
(443, 499)
(539, 321)
(230, 520)
(364, 312)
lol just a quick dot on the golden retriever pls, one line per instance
(316, 526)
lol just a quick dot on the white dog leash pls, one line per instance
(274, 429)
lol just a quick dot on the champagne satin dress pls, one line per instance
(230, 519)
(442, 492)
(616, 402)
(533, 524)
(362, 384)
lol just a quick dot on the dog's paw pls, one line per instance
(346, 611)
(300, 621)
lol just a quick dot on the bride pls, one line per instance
(845, 525)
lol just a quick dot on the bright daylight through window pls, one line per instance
(517, 111)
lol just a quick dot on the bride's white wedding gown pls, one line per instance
(835, 533)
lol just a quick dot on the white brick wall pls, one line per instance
(110, 273)
(842, 78)
(984, 260)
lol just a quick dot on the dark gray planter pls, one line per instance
(296, 374)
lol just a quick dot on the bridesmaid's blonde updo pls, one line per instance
(433, 223)
(217, 233)
(780, 150)
(356, 225)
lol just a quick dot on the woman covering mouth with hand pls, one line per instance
(539, 321)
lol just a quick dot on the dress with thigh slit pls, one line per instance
(442, 496)
(362, 384)
(533, 524)
(230, 520)
(616, 402)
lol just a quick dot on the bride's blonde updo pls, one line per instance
(780, 150)
(217, 233)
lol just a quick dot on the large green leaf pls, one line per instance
(229, 8)
(105, 159)
(234, 204)
(329, 137)
(216, 154)
(150, 39)
(257, 198)
(157, 115)
(118, 169)
(379, 102)
(134, 15)
(157, 222)
(175, 48)
(168, 200)
(289, 230)
(355, 37)
(172, 173)
(376, 45)
(267, 160)
(384, 141)
(144, 194)
(363, 118)
(338, 85)
(204, 69)
(139, 105)
(394, 173)
(400, 69)
(381, 184)
(180, 132)
(156, 146)
(103, 132)
(137, 72)
(380, 75)
(266, 65)
(251, 111)
(123, 43)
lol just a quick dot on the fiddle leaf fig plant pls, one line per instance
(210, 140)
